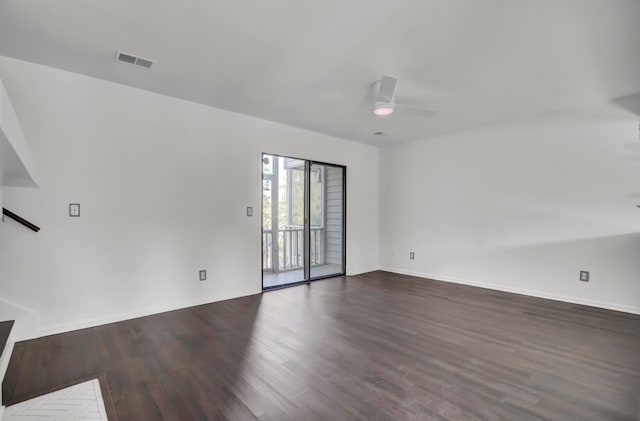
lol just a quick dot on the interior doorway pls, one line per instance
(303, 220)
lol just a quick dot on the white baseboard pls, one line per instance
(531, 293)
(26, 319)
(358, 271)
(119, 317)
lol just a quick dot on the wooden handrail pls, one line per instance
(20, 220)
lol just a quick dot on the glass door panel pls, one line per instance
(327, 257)
(283, 206)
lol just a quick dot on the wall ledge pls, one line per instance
(17, 166)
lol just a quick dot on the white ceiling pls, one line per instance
(309, 63)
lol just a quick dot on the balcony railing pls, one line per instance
(290, 248)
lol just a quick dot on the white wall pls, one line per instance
(521, 207)
(163, 185)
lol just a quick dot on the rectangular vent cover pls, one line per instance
(135, 60)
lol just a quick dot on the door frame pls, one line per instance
(307, 226)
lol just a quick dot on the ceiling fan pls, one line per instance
(384, 103)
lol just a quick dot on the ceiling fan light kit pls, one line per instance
(382, 108)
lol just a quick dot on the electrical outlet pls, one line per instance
(584, 276)
(74, 209)
(412, 255)
(203, 275)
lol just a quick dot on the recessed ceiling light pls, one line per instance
(382, 108)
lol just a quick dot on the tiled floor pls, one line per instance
(82, 401)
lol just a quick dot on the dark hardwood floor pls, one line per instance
(377, 346)
(5, 331)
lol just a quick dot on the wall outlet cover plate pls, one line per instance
(74, 209)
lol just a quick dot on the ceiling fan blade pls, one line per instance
(387, 89)
(413, 110)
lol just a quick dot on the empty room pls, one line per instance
(320, 210)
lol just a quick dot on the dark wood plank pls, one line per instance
(5, 331)
(375, 346)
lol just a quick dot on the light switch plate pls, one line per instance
(249, 211)
(203, 275)
(74, 209)
(584, 276)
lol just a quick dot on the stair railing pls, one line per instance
(8, 213)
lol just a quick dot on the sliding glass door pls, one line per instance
(303, 220)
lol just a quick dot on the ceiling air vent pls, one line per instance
(135, 60)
